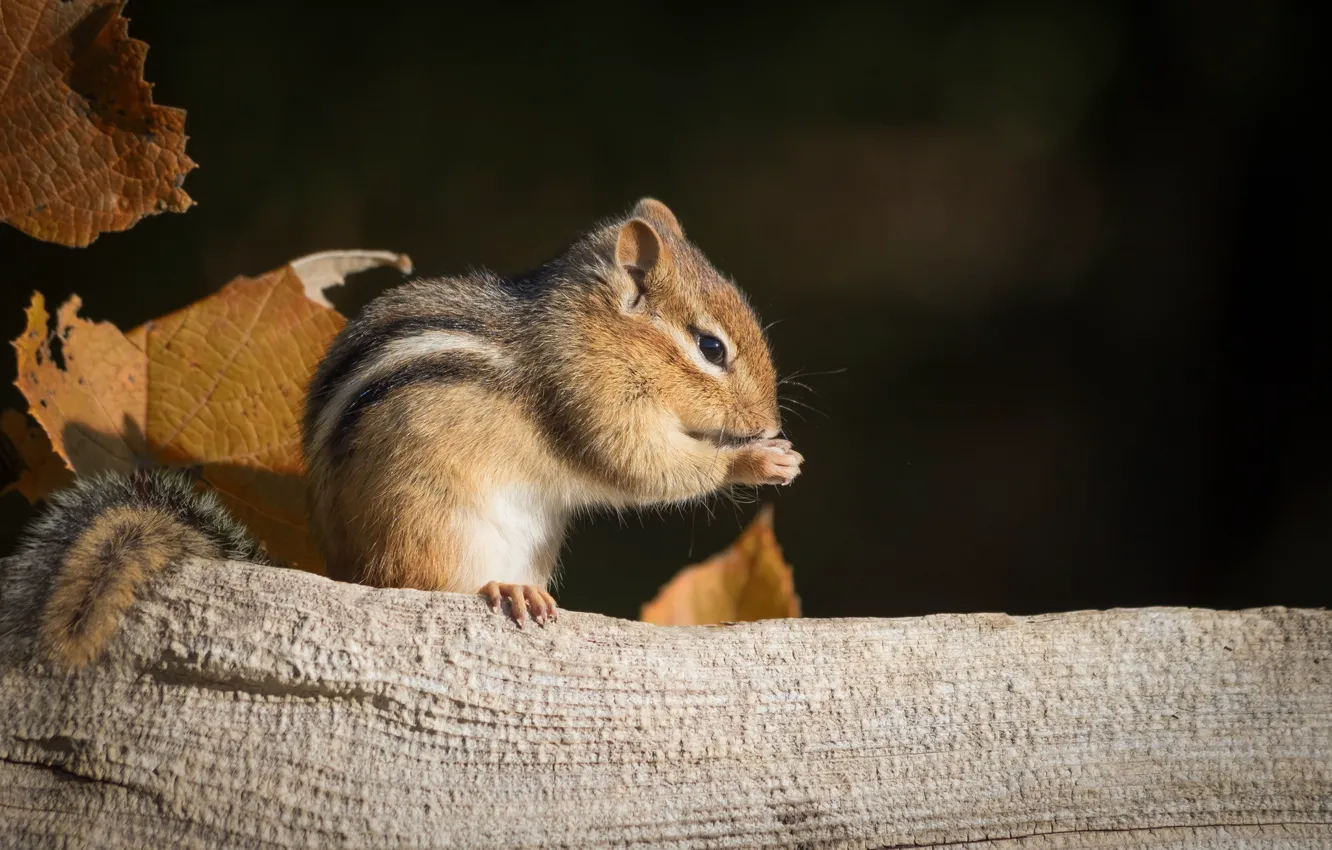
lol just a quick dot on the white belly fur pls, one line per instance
(514, 537)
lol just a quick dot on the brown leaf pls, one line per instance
(86, 385)
(226, 380)
(748, 581)
(38, 470)
(219, 385)
(83, 149)
(139, 337)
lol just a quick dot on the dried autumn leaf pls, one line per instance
(86, 385)
(37, 469)
(327, 269)
(222, 388)
(226, 386)
(318, 272)
(83, 148)
(748, 581)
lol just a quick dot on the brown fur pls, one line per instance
(584, 389)
(102, 573)
(439, 430)
(624, 369)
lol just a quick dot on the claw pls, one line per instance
(522, 600)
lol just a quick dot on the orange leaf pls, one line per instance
(38, 469)
(748, 581)
(83, 149)
(219, 385)
(86, 385)
(226, 387)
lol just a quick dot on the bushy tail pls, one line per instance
(84, 560)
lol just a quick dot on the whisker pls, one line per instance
(707, 506)
(793, 383)
(806, 405)
(742, 496)
(800, 373)
(734, 499)
(791, 410)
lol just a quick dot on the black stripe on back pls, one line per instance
(368, 343)
(454, 367)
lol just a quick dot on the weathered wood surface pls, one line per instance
(251, 707)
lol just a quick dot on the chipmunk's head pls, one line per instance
(675, 340)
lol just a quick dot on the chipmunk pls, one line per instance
(456, 426)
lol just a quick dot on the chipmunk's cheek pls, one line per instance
(692, 414)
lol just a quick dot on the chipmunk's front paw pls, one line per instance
(765, 462)
(522, 599)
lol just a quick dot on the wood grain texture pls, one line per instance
(254, 707)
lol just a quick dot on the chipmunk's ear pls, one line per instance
(658, 213)
(639, 249)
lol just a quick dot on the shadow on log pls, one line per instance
(246, 706)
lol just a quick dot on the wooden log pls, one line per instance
(244, 706)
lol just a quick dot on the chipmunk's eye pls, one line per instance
(712, 349)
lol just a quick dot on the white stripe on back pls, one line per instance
(393, 356)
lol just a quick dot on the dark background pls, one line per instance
(1063, 263)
